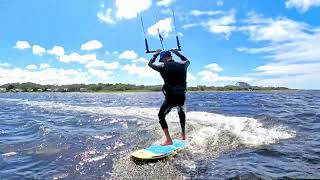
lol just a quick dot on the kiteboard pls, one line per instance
(157, 151)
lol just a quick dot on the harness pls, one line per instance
(174, 89)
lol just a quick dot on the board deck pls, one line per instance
(158, 151)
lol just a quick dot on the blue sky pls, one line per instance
(267, 43)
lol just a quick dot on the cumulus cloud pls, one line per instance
(128, 9)
(128, 54)
(4, 64)
(277, 30)
(102, 64)
(101, 74)
(106, 16)
(31, 67)
(38, 50)
(165, 26)
(91, 45)
(213, 67)
(44, 66)
(141, 71)
(56, 51)
(302, 5)
(165, 2)
(75, 57)
(222, 22)
(209, 75)
(22, 45)
(190, 77)
(45, 76)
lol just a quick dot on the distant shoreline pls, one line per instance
(144, 91)
(119, 87)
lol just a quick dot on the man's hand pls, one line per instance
(157, 52)
(175, 51)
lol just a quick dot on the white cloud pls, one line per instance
(101, 74)
(209, 75)
(38, 50)
(276, 30)
(213, 67)
(31, 67)
(5, 64)
(292, 51)
(141, 71)
(22, 45)
(165, 2)
(75, 57)
(274, 69)
(165, 26)
(291, 42)
(302, 5)
(45, 76)
(106, 17)
(207, 13)
(91, 45)
(56, 51)
(210, 78)
(140, 59)
(102, 64)
(220, 3)
(190, 77)
(128, 54)
(44, 66)
(223, 24)
(128, 9)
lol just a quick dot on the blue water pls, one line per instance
(248, 135)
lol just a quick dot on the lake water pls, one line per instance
(248, 135)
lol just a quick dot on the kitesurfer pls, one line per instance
(174, 75)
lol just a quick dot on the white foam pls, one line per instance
(104, 137)
(9, 154)
(205, 126)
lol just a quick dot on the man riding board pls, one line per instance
(174, 75)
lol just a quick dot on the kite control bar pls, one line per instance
(160, 37)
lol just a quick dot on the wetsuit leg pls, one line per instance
(164, 110)
(182, 117)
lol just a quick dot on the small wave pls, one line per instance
(207, 128)
(9, 154)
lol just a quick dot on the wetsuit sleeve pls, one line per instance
(184, 60)
(154, 66)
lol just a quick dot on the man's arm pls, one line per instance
(153, 59)
(184, 60)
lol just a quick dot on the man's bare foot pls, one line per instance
(183, 136)
(167, 143)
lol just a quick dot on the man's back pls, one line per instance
(174, 73)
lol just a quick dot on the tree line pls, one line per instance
(27, 87)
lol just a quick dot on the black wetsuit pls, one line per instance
(174, 75)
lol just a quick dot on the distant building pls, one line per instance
(19, 90)
(65, 89)
(3, 90)
(49, 90)
(30, 90)
(39, 90)
(83, 90)
(243, 84)
(56, 90)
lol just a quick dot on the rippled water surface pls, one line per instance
(248, 135)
